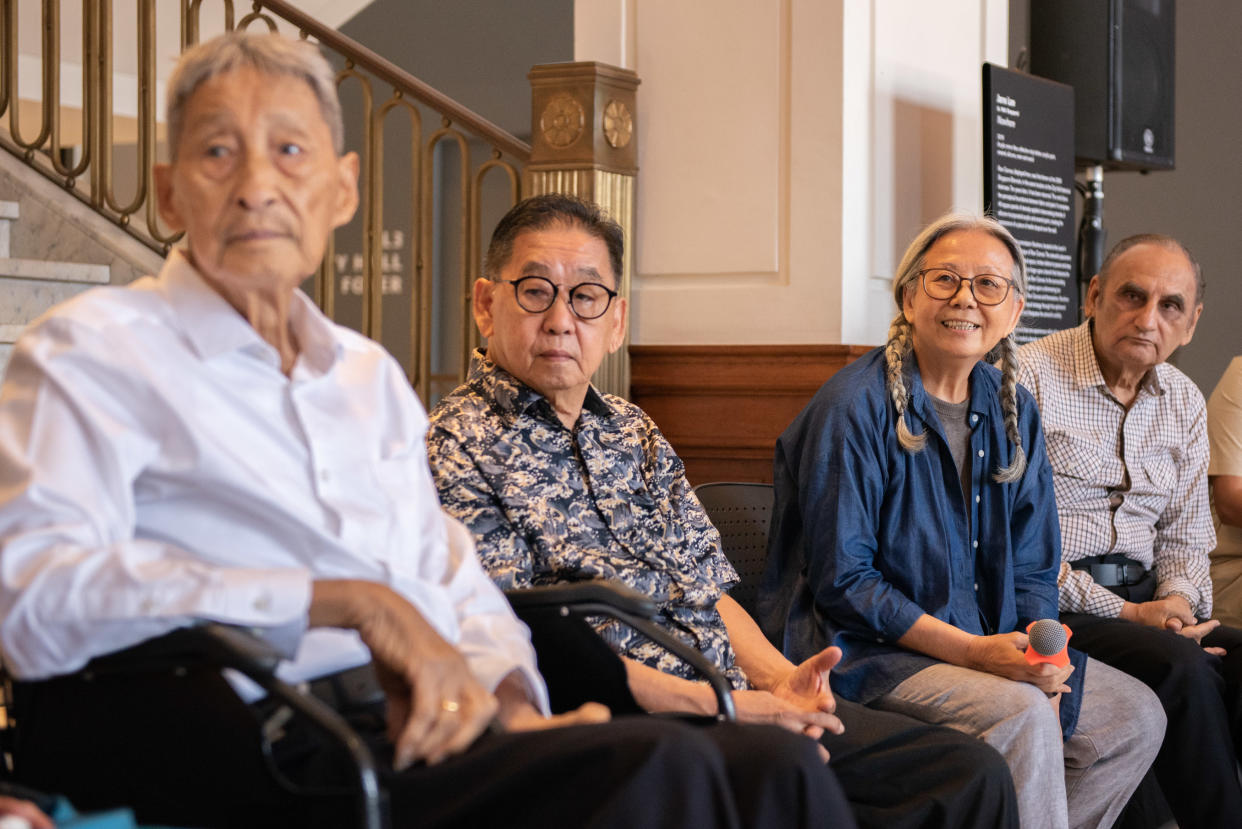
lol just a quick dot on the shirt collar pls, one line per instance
(982, 390)
(214, 327)
(515, 398)
(1086, 369)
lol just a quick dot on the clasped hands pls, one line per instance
(800, 701)
(1172, 613)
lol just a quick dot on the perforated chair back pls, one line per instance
(742, 513)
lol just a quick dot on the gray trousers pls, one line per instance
(1084, 781)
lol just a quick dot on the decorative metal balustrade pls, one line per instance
(435, 175)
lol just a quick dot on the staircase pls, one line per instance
(52, 247)
(28, 287)
(436, 175)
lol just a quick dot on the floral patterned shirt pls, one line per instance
(608, 500)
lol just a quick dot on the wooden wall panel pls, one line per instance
(723, 406)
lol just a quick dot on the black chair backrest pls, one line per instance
(615, 600)
(742, 513)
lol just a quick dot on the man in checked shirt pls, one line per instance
(1127, 438)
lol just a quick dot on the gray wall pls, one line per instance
(1200, 202)
(477, 53)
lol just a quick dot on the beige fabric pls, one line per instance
(1225, 435)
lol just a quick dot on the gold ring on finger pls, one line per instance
(451, 706)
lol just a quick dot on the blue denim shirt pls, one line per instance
(866, 536)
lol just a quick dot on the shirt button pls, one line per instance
(976, 586)
(981, 453)
(976, 499)
(880, 639)
(264, 603)
(974, 418)
(975, 544)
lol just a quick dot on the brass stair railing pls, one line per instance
(372, 88)
(451, 175)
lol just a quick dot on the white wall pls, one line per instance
(788, 150)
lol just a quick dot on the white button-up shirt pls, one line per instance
(157, 468)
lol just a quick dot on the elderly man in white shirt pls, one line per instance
(206, 445)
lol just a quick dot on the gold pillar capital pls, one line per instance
(583, 116)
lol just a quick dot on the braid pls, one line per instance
(898, 347)
(1009, 405)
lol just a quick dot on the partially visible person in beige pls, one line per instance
(1224, 411)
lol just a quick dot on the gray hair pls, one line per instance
(271, 54)
(900, 333)
(1163, 241)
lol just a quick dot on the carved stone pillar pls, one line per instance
(583, 144)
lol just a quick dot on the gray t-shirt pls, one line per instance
(957, 432)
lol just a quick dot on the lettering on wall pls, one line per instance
(350, 266)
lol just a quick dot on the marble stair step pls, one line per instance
(35, 269)
(8, 215)
(8, 335)
(28, 287)
(23, 300)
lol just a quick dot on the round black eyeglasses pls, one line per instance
(588, 300)
(987, 288)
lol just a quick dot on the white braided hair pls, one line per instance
(901, 339)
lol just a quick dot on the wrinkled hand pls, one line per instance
(435, 705)
(1196, 632)
(765, 707)
(1172, 613)
(1159, 613)
(27, 811)
(1003, 654)
(518, 713)
(807, 685)
(528, 718)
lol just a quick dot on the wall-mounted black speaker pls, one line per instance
(1118, 56)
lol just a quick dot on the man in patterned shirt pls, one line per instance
(559, 483)
(1126, 436)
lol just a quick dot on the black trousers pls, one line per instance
(897, 772)
(1202, 698)
(181, 749)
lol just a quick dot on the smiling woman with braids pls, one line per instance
(915, 527)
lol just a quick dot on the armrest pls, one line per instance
(613, 593)
(623, 603)
(233, 647)
(226, 646)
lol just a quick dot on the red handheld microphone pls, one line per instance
(1048, 641)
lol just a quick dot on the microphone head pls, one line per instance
(1047, 641)
(1047, 637)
